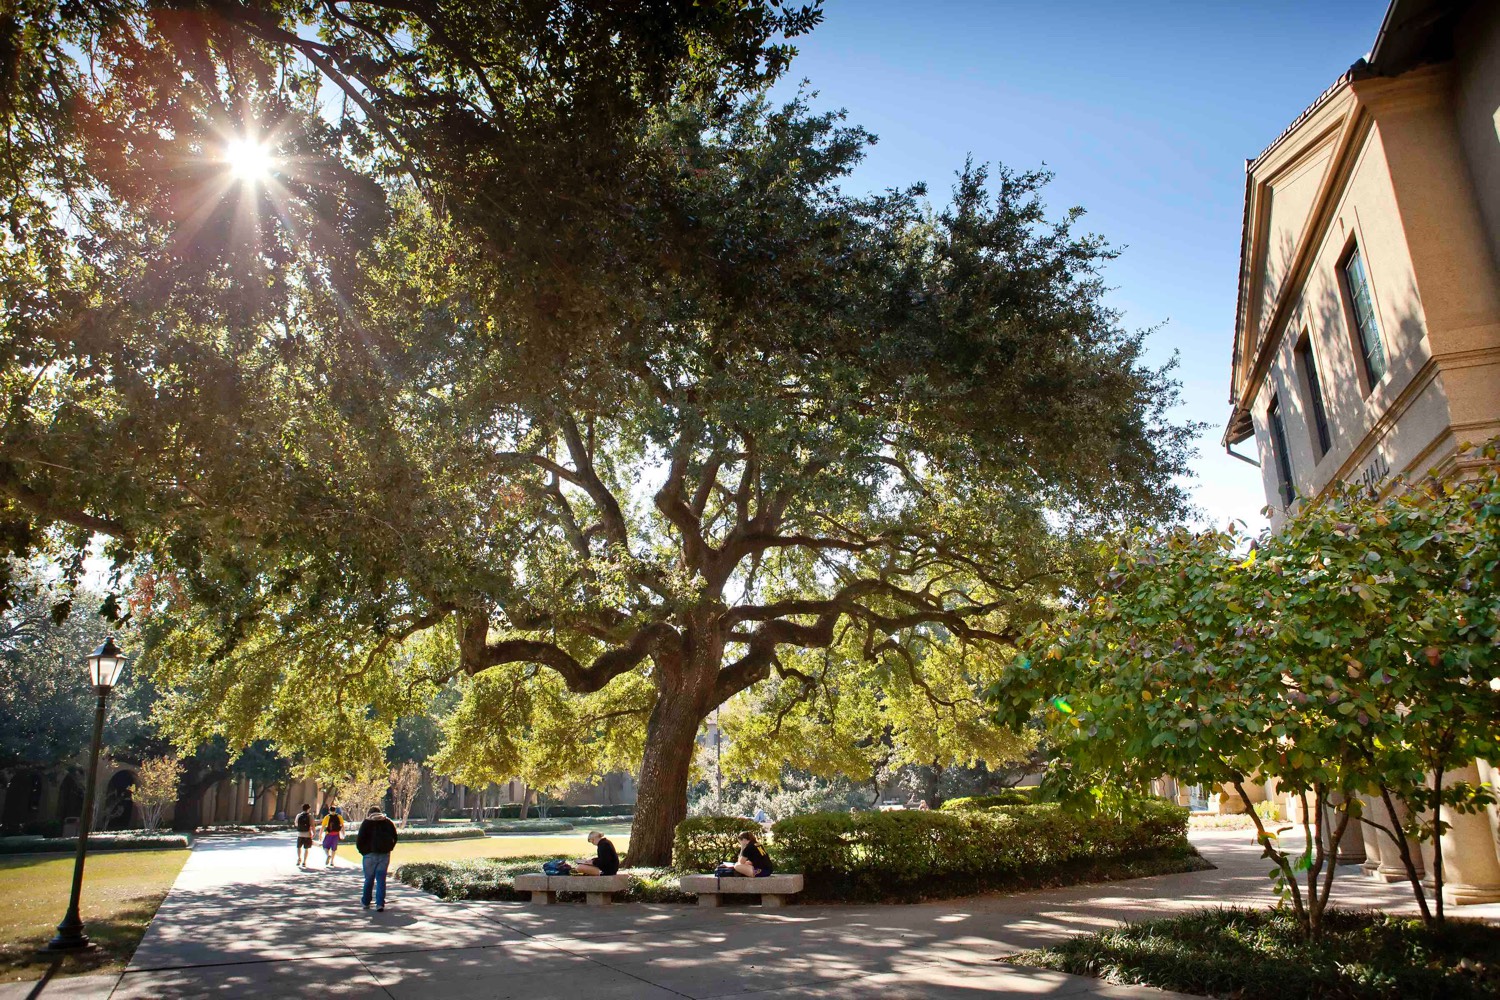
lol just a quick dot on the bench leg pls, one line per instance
(599, 898)
(708, 899)
(544, 898)
(773, 900)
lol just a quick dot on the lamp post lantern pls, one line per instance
(105, 665)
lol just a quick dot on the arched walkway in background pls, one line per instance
(119, 802)
(23, 797)
(70, 797)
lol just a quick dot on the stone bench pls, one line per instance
(599, 890)
(773, 890)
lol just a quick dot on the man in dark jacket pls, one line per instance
(376, 840)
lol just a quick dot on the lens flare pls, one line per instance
(249, 160)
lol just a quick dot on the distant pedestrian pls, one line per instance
(376, 839)
(761, 817)
(333, 830)
(304, 825)
(923, 805)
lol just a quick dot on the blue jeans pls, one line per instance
(376, 865)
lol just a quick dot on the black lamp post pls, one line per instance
(105, 666)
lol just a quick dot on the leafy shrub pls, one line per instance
(701, 842)
(976, 803)
(1263, 955)
(914, 854)
(413, 834)
(124, 841)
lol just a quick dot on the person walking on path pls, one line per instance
(375, 841)
(304, 825)
(333, 829)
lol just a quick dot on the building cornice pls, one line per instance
(1348, 127)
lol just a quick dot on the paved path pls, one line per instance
(241, 922)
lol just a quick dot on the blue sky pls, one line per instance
(1146, 113)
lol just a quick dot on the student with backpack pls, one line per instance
(375, 841)
(333, 830)
(304, 825)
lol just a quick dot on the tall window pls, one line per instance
(1362, 305)
(1309, 365)
(1287, 491)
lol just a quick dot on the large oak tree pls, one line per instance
(615, 427)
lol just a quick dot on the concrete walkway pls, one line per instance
(241, 921)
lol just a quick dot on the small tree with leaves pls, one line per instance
(1153, 675)
(361, 790)
(405, 782)
(1356, 651)
(156, 782)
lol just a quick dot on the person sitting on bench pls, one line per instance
(606, 862)
(752, 862)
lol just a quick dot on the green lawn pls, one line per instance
(121, 891)
(574, 845)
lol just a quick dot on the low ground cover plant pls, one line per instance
(125, 840)
(494, 879)
(415, 833)
(1264, 955)
(912, 854)
(529, 826)
(239, 829)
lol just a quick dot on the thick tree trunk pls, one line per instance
(684, 699)
(661, 801)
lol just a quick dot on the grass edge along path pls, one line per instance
(1258, 954)
(121, 892)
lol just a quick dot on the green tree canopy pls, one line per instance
(614, 424)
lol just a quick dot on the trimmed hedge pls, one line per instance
(98, 842)
(702, 842)
(413, 834)
(512, 810)
(978, 803)
(495, 879)
(914, 854)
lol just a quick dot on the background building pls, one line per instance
(1367, 333)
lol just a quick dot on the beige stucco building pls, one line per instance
(1367, 330)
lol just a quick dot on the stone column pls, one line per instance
(1391, 869)
(1490, 774)
(1471, 871)
(1374, 809)
(1352, 847)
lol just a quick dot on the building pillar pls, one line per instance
(1490, 774)
(1471, 871)
(1391, 868)
(1374, 809)
(1352, 847)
